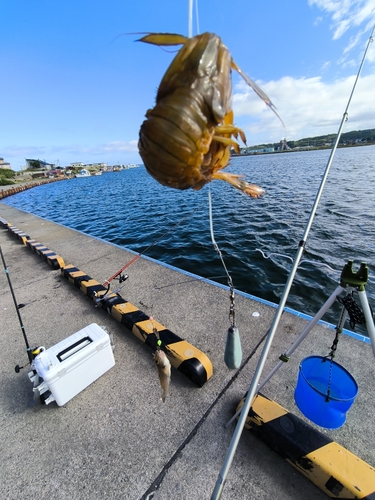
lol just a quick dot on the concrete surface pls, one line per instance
(116, 439)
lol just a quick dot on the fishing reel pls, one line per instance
(122, 278)
(18, 368)
(99, 298)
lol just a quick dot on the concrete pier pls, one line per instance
(117, 439)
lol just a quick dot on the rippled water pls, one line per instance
(131, 209)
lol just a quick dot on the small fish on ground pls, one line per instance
(164, 369)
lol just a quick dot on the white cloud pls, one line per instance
(318, 20)
(23, 151)
(346, 14)
(326, 65)
(120, 146)
(308, 107)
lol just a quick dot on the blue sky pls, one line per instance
(75, 85)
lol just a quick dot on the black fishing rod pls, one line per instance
(28, 350)
(254, 384)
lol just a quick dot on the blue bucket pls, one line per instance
(310, 394)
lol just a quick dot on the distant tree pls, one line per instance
(6, 176)
(34, 164)
(346, 138)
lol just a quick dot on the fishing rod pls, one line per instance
(254, 384)
(107, 282)
(28, 350)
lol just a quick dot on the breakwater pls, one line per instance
(10, 190)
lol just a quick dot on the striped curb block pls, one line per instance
(4, 222)
(53, 260)
(330, 466)
(183, 356)
(18, 234)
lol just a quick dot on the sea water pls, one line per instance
(258, 238)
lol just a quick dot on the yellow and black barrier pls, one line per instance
(183, 356)
(4, 223)
(330, 466)
(53, 260)
(18, 234)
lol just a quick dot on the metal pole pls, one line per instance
(368, 316)
(326, 306)
(253, 387)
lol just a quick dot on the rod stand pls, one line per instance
(356, 280)
(349, 280)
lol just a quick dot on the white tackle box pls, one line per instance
(74, 363)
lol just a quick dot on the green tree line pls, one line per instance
(355, 136)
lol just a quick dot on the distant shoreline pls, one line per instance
(11, 189)
(295, 150)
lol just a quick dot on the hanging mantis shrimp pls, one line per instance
(186, 139)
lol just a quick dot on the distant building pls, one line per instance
(38, 164)
(284, 145)
(95, 165)
(87, 165)
(4, 164)
(57, 172)
(256, 151)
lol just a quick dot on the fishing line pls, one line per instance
(106, 283)
(233, 350)
(216, 247)
(273, 253)
(303, 261)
